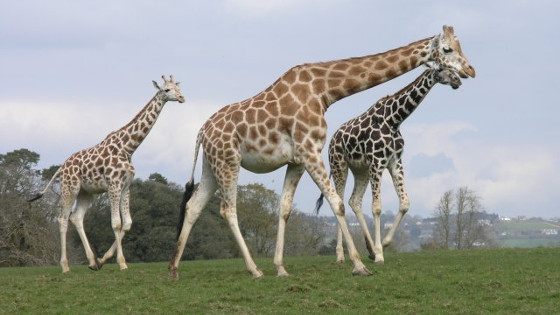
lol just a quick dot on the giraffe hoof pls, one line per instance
(283, 273)
(97, 266)
(258, 274)
(372, 257)
(173, 273)
(361, 272)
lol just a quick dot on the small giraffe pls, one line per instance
(285, 125)
(371, 143)
(107, 167)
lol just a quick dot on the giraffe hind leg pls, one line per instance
(293, 175)
(192, 209)
(83, 203)
(320, 177)
(360, 186)
(339, 173)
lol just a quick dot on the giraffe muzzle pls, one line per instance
(467, 71)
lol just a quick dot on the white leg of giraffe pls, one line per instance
(293, 175)
(228, 209)
(360, 186)
(83, 203)
(321, 178)
(127, 223)
(205, 190)
(397, 173)
(66, 207)
(339, 173)
(115, 195)
(339, 246)
(375, 178)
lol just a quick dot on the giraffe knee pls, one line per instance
(338, 208)
(62, 225)
(116, 225)
(405, 205)
(127, 225)
(355, 204)
(285, 216)
(76, 219)
(377, 208)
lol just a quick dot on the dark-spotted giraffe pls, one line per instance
(371, 143)
(107, 167)
(285, 125)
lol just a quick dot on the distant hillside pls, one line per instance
(520, 232)
(523, 232)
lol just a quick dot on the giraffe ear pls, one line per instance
(156, 85)
(448, 31)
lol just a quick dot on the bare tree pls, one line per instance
(475, 231)
(443, 214)
(460, 220)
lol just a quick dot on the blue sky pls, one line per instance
(73, 71)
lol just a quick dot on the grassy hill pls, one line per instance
(508, 281)
(528, 233)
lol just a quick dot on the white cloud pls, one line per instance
(276, 8)
(516, 176)
(57, 129)
(255, 8)
(169, 148)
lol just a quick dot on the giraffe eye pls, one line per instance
(167, 90)
(447, 50)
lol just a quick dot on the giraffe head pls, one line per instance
(448, 77)
(170, 90)
(447, 53)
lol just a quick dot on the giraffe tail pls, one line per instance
(39, 195)
(319, 202)
(189, 187)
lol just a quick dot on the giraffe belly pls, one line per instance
(266, 159)
(94, 187)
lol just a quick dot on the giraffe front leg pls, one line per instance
(321, 178)
(397, 175)
(293, 175)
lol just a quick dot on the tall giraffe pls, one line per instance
(371, 143)
(285, 124)
(107, 167)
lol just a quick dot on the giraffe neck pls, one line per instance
(335, 80)
(132, 134)
(399, 106)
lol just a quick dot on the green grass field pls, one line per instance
(506, 281)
